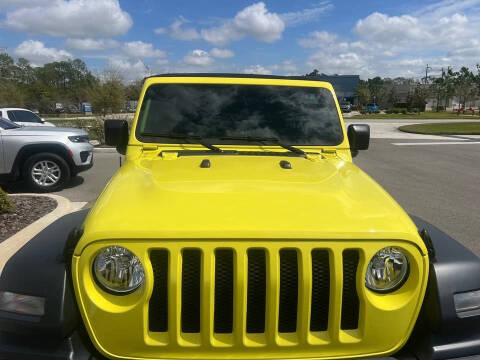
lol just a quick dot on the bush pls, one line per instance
(396, 111)
(6, 204)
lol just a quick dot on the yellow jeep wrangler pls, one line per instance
(239, 228)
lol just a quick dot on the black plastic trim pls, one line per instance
(28, 150)
(234, 76)
(44, 271)
(440, 333)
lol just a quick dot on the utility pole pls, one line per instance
(426, 73)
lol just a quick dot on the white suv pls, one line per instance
(23, 117)
(44, 157)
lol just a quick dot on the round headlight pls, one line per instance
(387, 271)
(118, 270)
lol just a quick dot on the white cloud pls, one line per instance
(18, 3)
(160, 31)
(162, 62)
(91, 44)
(221, 53)
(318, 39)
(306, 15)
(139, 49)
(38, 54)
(74, 18)
(177, 31)
(254, 21)
(198, 58)
(257, 69)
(441, 34)
(131, 70)
(392, 29)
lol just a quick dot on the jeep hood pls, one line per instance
(244, 197)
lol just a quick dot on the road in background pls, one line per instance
(439, 183)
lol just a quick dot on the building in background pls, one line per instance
(345, 85)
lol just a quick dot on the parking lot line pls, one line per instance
(438, 143)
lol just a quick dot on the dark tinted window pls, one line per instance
(25, 116)
(6, 124)
(295, 115)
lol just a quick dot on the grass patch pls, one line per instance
(422, 115)
(461, 128)
(6, 203)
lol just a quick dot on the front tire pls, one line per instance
(46, 172)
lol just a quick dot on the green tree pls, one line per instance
(132, 91)
(418, 99)
(108, 97)
(11, 95)
(363, 93)
(377, 89)
(465, 86)
(24, 72)
(6, 66)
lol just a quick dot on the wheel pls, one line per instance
(45, 172)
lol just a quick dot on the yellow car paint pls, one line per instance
(159, 200)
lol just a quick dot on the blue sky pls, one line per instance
(282, 37)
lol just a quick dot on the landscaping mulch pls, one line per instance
(27, 210)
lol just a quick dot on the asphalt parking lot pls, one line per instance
(436, 179)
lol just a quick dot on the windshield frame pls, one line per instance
(137, 138)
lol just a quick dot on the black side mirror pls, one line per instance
(358, 137)
(116, 134)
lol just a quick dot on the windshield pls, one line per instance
(291, 114)
(7, 124)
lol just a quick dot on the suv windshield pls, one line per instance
(7, 124)
(290, 114)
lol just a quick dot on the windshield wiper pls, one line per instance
(265, 139)
(185, 137)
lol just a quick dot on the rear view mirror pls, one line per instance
(358, 137)
(116, 134)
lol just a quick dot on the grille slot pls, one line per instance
(224, 285)
(320, 290)
(350, 302)
(158, 305)
(208, 282)
(191, 275)
(287, 316)
(256, 291)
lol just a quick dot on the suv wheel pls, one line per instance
(46, 172)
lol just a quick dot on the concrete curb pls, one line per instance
(15, 242)
(105, 150)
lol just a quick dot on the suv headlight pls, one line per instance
(387, 271)
(78, 138)
(117, 270)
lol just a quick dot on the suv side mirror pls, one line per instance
(116, 134)
(358, 137)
